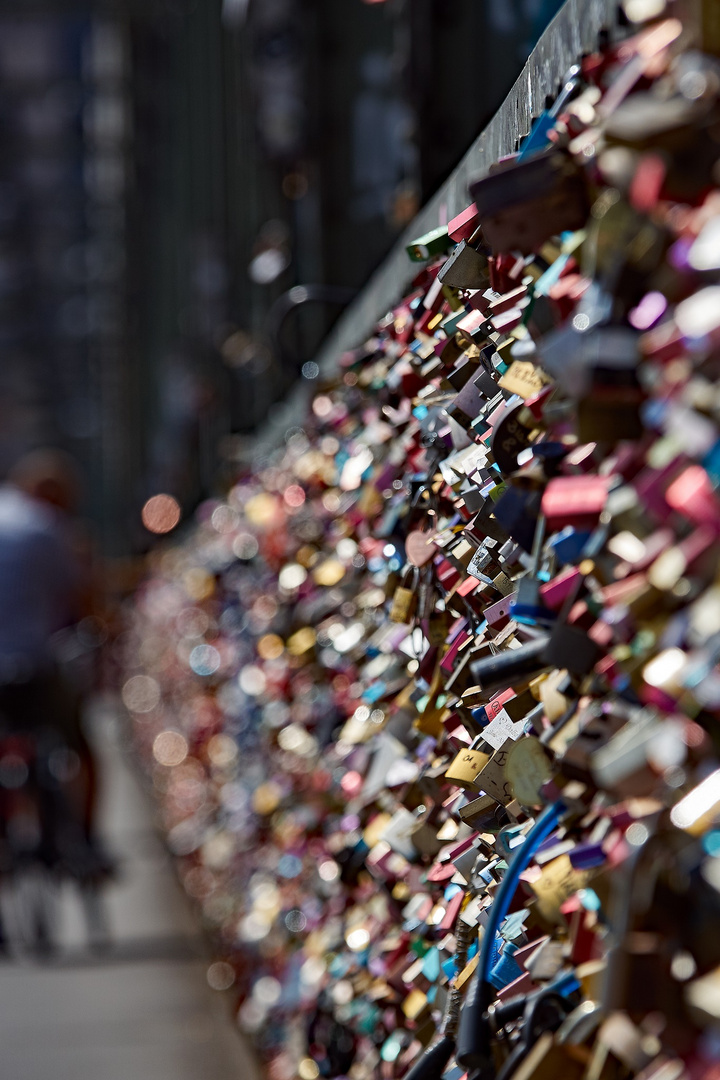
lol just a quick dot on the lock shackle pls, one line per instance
(570, 88)
(474, 1035)
(507, 1011)
(532, 1025)
(548, 735)
(432, 1064)
(410, 575)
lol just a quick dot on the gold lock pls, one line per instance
(524, 378)
(465, 766)
(405, 598)
(430, 720)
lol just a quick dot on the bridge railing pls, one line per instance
(575, 30)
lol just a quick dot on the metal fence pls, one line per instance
(574, 31)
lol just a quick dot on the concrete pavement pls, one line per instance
(142, 1009)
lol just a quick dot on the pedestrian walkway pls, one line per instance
(143, 1008)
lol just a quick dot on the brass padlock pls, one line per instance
(466, 765)
(405, 598)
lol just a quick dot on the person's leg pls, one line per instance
(63, 711)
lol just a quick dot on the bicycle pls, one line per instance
(42, 844)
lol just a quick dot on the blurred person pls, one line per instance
(45, 587)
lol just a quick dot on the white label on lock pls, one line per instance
(471, 913)
(449, 475)
(501, 729)
(471, 459)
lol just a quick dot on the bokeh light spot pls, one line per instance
(220, 975)
(267, 991)
(170, 748)
(308, 1069)
(295, 921)
(252, 680)
(245, 546)
(161, 514)
(292, 576)
(270, 647)
(204, 660)
(294, 495)
(222, 751)
(141, 694)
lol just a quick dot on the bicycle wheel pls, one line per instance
(29, 911)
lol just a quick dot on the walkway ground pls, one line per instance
(143, 1009)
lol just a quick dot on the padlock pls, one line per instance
(491, 779)
(465, 766)
(538, 137)
(419, 548)
(465, 269)
(467, 404)
(572, 648)
(391, 583)
(592, 730)
(431, 243)
(487, 524)
(527, 769)
(610, 411)
(427, 595)
(524, 378)
(461, 680)
(577, 501)
(465, 369)
(480, 561)
(516, 510)
(504, 667)
(438, 625)
(522, 204)
(464, 224)
(601, 373)
(450, 352)
(504, 584)
(405, 599)
(526, 605)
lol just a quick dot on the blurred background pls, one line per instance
(170, 169)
